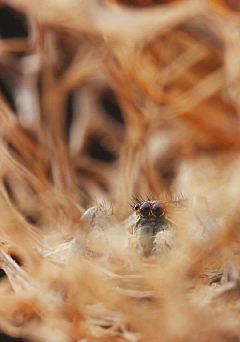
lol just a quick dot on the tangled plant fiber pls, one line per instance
(102, 101)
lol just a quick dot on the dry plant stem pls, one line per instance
(220, 127)
(81, 70)
(13, 134)
(227, 28)
(141, 24)
(54, 102)
(17, 277)
(232, 62)
(9, 163)
(158, 71)
(183, 63)
(29, 151)
(205, 88)
(8, 119)
(170, 73)
(27, 92)
(106, 20)
(54, 99)
(134, 140)
(14, 45)
(22, 229)
(155, 185)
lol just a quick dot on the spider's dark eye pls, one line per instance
(137, 207)
(145, 209)
(157, 209)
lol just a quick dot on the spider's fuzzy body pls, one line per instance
(150, 220)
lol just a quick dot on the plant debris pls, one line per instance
(101, 102)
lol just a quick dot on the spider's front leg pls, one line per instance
(86, 224)
(99, 233)
(164, 240)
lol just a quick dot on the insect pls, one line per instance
(151, 226)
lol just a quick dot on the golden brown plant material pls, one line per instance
(102, 101)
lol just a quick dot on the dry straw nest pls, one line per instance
(102, 100)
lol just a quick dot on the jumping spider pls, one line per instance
(100, 232)
(152, 227)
